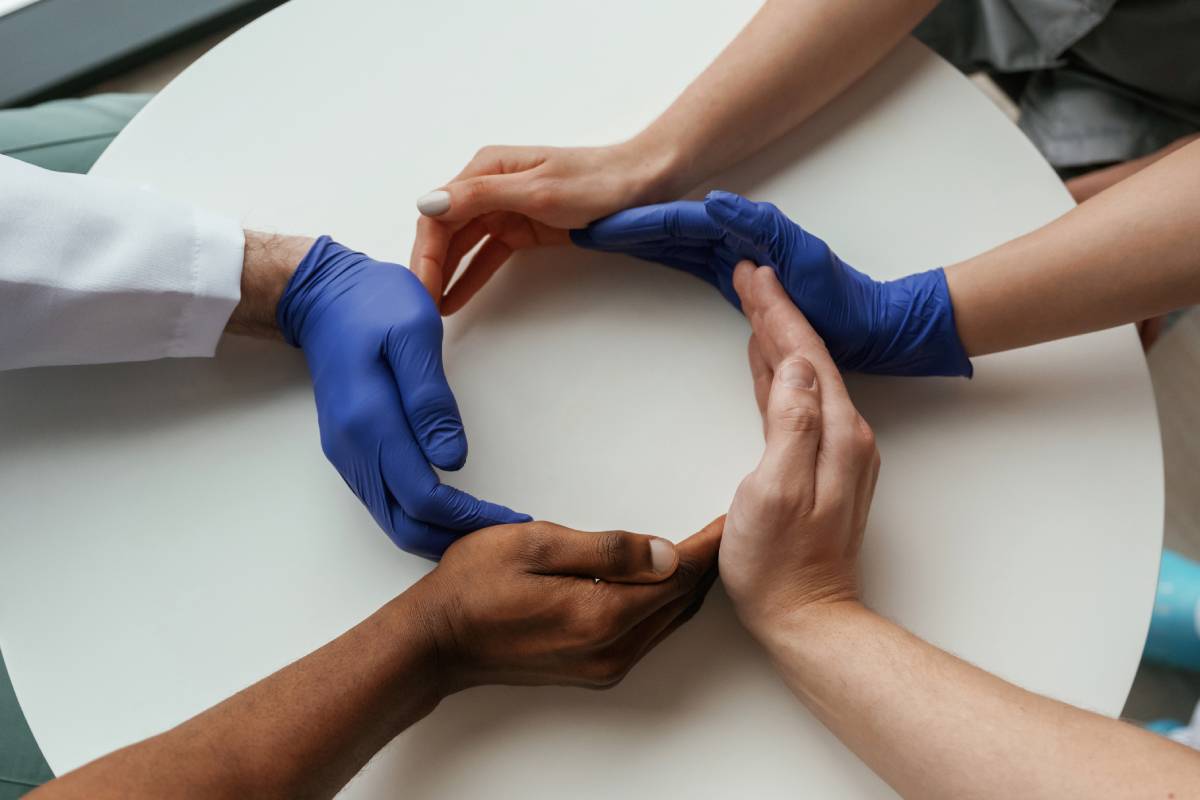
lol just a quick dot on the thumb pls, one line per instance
(793, 425)
(429, 405)
(755, 224)
(473, 197)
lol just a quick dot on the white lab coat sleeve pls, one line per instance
(94, 271)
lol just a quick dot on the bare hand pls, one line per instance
(796, 523)
(519, 604)
(512, 198)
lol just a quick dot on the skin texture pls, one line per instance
(514, 604)
(791, 59)
(1093, 183)
(267, 266)
(928, 723)
(1123, 257)
(1127, 254)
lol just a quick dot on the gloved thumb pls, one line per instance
(758, 225)
(429, 404)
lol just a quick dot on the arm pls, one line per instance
(95, 272)
(930, 724)
(302, 732)
(513, 605)
(1126, 254)
(92, 271)
(791, 59)
(934, 726)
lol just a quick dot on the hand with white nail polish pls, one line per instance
(513, 198)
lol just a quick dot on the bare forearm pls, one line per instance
(790, 60)
(302, 732)
(1126, 254)
(934, 726)
(267, 265)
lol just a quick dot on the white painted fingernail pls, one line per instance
(662, 556)
(434, 203)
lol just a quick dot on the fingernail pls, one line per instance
(662, 556)
(798, 373)
(434, 203)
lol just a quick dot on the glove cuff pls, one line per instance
(294, 306)
(919, 319)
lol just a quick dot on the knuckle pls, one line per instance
(776, 498)
(593, 630)
(866, 438)
(800, 418)
(606, 672)
(486, 153)
(614, 549)
(356, 425)
(471, 191)
(537, 548)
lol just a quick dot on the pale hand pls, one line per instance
(513, 198)
(793, 532)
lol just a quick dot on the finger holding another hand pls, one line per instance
(538, 603)
(796, 523)
(533, 195)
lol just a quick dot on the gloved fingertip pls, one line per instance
(721, 209)
(497, 514)
(447, 451)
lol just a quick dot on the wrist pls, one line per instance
(431, 611)
(919, 329)
(268, 263)
(801, 628)
(415, 627)
(658, 166)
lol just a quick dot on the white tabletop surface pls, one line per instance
(170, 532)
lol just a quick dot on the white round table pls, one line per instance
(170, 532)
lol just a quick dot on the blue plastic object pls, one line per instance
(900, 327)
(1164, 727)
(373, 341)
(1174, 640)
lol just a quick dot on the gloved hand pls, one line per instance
(373, 341)
(900, 327)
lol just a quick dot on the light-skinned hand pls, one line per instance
(795, 526)
(512, 198)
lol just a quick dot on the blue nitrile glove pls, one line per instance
(900, 327)
(373, 341)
